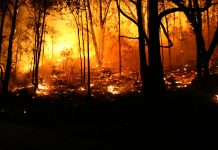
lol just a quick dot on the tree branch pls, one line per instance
(106, 12)
(168, 11)
(167, 36)
(190, 9)
(128, 37)
(22, 3)
(124, 14)
(133, 16)
(134, 2)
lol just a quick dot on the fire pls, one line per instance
(113, 89)
(216, 97)
(82, 89)
(43, 89)
(60, 57)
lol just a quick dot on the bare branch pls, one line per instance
(28, 9)
(9, 10)
(124, 14)
(190, 9)
(168, 11)
(133, 16)
(134, 2)
(167, 36)
(128, 37)
(22, 3)
(106, 11)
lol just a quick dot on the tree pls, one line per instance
(15, 5)
(40, 9)
(93, 34)
(155, 63)
(87, 33)
(193, 11)
(103, 17)
(151, 73)
(3, 14)
(119, 41)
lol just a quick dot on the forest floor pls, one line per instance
(184, 118)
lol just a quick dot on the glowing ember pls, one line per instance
(42, 89)
(112, 89)
(81, 89)
(216, 97)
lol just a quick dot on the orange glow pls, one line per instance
(43, 89)
(60, 56)
(113, 89)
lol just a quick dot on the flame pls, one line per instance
(82, 89)
(216, 97)
(113, 89)
(42, 89)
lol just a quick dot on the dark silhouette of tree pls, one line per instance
(151, 73)
(15, 5)
(3, 8)
(155, 63)
(77, 18)
(93, 34)
(193, 11)
(103, 12)
(40, 9)
(87, 34)
(83, 46)
(119, 40)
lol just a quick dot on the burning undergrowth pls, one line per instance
(106, 83)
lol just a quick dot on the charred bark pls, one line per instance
(119, 41)
(143, 62)
(84, 56)
(87, 34)
(93, 34)
(2, 25)
(155, 64)
(10, 51)
(40, 26)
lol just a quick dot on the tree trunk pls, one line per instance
(119, 41)
(10, 52)
(169, 49)
(155, 64)
(93, 35)
(79, 44)
(87, 27)
(39, 45)
(84, 56)
(143, 63)
(210, 52)
(2, 26)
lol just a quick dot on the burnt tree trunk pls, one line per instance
(87, 27)
(39, 38)
(10, 51)
(143, 63)
(194, 14)
(201, 54)
(79, 45)
(2, 26)
(119, 40)
(84, 56)
(155, 64)
(93, 34)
